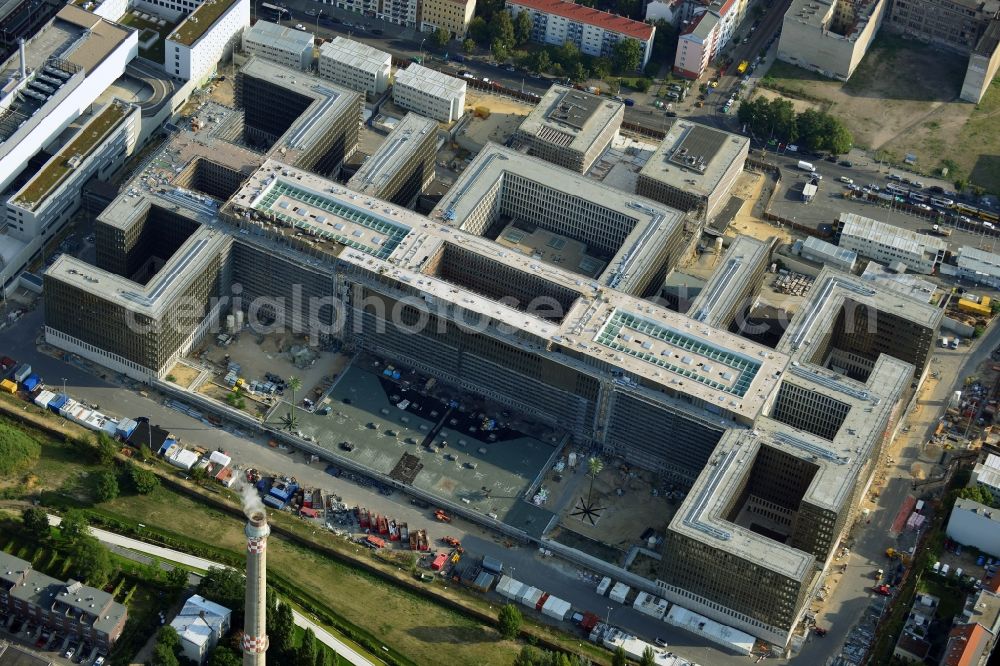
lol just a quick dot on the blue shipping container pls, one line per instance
(57, 402)
(32, 382)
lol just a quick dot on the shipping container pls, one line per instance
(31, 382)
(530, 597)
(21, 372)
(439, 561)
(126, 427)
(68, 407)
(541, 601)
(556, 608)
(602, 587)
(8, 386)
(44, 398)
(57, 402)
(492, 565)
(619, 592)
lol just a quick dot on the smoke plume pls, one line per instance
(250, 499)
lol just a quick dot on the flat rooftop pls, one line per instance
(694, 158)
(817, 13)
(198, 22)
(393, 154)
(653, 221)
(431, 81)
(904, 240)
(552, 248)
(281, 37)
(75, 152)
(355, 55)
(906, 284)
(101, 37)
(718, 297)
(571, 118)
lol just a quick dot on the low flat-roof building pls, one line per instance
(901, 282)
(695, 168)
(732, 290)
(888, 244)
(279, 43)
(975, 525)
(430, 93)
(205, 38)
(830, 36)
(827, 254)
(978, 266)
(355, 66)
(403, 165)
(570, 128)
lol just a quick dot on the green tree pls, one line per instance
(36, 521)
(440, 38)
(960, 184)
(522, 28)
(542, 61)
(619, 658)
(282, 634)
(642, 85)
(469, 45)
(594, 468)
(307, 650)
(226, 587)
(289, 421)
(566, 55)
(499, 50)
(168, 637)
(163, 656)
(106, 449)
(648, 658)
(143, 480)
(479, 31)
(18, 450)
(73, 527)
(579, 72)
(223, 655)
(509, 619)
(107, 486)
(176, 578)
(626, 56)
(91, 561)
(322, 658)
(502, 28)
(600, 68)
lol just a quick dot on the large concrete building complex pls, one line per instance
(592, 31)
(694, 168)
(279, 43)
(430, 93)
(829, 36)
(953, 24)
(72, 609)
(68, 64)
(205, 38)
(355, 65)
(889, 244)
(403, 165)
(528, 284)
(452, 16)
(570, 128)
(983, 64)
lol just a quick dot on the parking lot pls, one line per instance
(54, 648)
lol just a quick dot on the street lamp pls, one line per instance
(422, 50)
(610, 608)
(317, 19)
(64, 385)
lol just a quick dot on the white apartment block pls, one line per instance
(281, 44)
(592, 31)
(429, 93)
(355, 65)
(49, 199)
(705, 34)
(889, 244)
(205, 38)
(975, 525)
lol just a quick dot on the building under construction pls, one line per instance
(527, 285)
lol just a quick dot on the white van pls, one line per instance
(937, 567)
(945, 569)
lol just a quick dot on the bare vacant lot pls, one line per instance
(903, 99)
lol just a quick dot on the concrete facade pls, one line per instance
(403, 165)
(888, 244)
(205, 38)
(355, 65)
(451, 15)
(975, 525)
(953, 24)
(281, 44)
(429, 93)
(829, 36)
(983, 64)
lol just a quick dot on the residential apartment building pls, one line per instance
(975, 525)
(355, 66)
(366, 7)
(592, 31)
(889, 244)
(205, 38)
(400, 12)
(71, 609)
(199, 625)
(830, 36)
(430, 93)
(570, 128)
(952, 24)
(451, 15)
(705, 34)
(281, 44)
(694, 168)
(403, 165)
(43, 205)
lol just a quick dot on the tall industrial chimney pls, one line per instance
(254, 642)
(24, 62)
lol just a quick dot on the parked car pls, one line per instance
(847, 163)
(845, 179)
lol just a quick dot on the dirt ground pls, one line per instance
(749, 186)
(183, 374)
(505, 116)
(899, 114)
(799, 105)
(222, 92)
